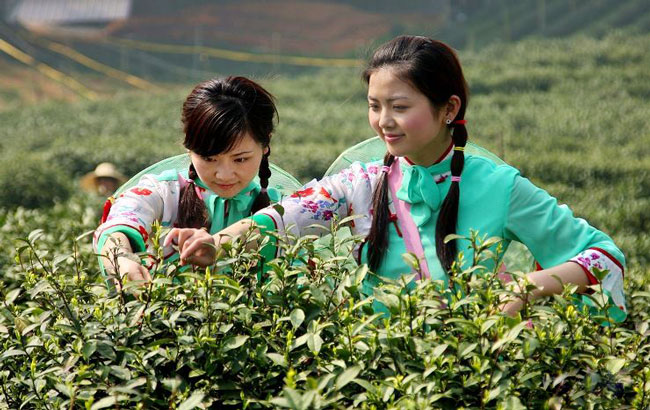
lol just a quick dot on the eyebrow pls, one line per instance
(391, 99)
(240, 153)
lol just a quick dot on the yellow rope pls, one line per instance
(48, 71)
(238, 55)
(97, 66)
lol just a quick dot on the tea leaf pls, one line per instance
(297, 317)
(192, 402)
(277, 359)
(234, 342)
(614, 365)
(347, 376)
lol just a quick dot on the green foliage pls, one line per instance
(304, 337)
(31, 181)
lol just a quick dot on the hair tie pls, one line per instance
(385, 169)
(455, 179)
(460, 122)
(263, 191)
(459, 149)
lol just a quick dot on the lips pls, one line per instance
(225, 187)
(390, 138)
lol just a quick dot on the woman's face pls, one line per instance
(405, 119)
(230, 172)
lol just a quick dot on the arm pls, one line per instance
(316, 203)
(118, 259)
(563, 245)
(128, 225)
(547, 284)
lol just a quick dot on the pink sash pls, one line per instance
(410, 231)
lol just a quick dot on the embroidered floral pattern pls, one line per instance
(141, 191)
(589, 260)
(303, 193)
(320, 209)
(596, 258)
(327, 195)
(144, 233)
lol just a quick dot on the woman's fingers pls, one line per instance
(144, 272)
(201, 244)
(171, 235)
(138, 272)
(184, 236)
(195, 246)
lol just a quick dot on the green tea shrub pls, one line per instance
(303, 336)
(32, 182)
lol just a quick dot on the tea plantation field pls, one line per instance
(573, 115)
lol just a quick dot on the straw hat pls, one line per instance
(90, 181)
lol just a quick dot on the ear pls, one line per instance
(267, 149)
(453, 107)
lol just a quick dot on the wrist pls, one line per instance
(544, 283)
(523, 287)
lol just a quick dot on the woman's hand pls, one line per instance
(511, 304)
(196, 246)
(131, 270)
(120, 262)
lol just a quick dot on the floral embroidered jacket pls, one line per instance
(156, 198)
(495, 200)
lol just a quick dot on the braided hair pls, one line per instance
(216, 115)
(432, 68)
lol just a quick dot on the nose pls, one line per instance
(385, 120)
(224, 173)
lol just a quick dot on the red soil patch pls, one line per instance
(23, 85)
(288, 27)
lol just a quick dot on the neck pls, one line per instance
(433, 155)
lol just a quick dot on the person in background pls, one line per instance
(427, 188)
(228, 125)
(104, 180)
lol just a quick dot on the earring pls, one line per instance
(448, 121)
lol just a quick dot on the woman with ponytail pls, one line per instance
(227, 125)
(428, 187)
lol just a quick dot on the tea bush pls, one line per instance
(304, 337)
(32, 182)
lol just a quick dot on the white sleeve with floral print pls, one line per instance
(151, 200)
(347, 193)
(596, 258)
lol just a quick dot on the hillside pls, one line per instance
(188, 41)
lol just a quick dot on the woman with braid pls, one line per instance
(228, 125)
(427, 188)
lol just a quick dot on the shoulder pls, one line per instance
(483, 167)
(358, 175)
(164, 184)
